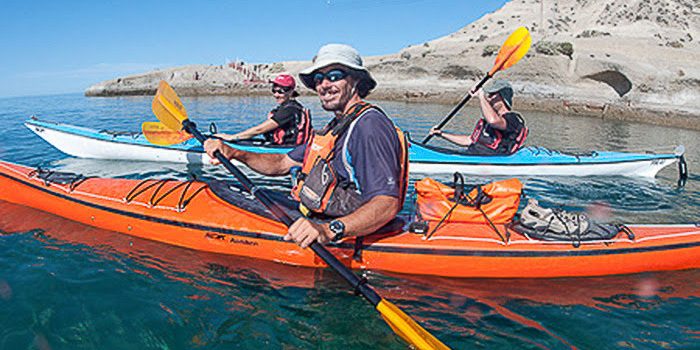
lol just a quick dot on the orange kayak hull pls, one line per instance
(192, 215)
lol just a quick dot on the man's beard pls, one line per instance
(332, 106)
(337, 105)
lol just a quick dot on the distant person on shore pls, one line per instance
(500, 131)
(354, 171)
(287, 124)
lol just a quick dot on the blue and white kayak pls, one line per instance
(533, 161)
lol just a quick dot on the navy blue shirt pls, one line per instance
(373, 156)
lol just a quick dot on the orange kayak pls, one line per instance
(218, 217)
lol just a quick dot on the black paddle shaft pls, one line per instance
(330, 259)
(459, 106)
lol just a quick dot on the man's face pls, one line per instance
(334, 86)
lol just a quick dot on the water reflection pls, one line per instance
(209, 299)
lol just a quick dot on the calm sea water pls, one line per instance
(64, 285)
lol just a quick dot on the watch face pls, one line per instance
(337, 226)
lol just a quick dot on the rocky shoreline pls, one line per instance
(634, 61)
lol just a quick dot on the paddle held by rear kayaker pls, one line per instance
(512, 50)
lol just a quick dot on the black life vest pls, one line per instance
(296, 133)
(485, 135)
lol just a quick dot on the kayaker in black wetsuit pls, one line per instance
(354, 171)
(500, 131)
(288, 124)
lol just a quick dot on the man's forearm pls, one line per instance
(462, 140)
(263, 163)
(264, 127)
(371, 216)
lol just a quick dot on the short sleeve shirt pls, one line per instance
(286, 115)
(368, 155)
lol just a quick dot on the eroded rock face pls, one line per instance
(626, 56)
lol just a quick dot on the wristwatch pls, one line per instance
(337, 227)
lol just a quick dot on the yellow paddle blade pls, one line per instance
(408, 329)
(167, 113)
(159, 134)
(168, 108)
(167, 91)
(513, 49)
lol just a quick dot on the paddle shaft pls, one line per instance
(330, 259)
(459, 106)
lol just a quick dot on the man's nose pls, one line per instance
(325, 83)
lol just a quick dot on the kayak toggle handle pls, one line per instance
(682, 171)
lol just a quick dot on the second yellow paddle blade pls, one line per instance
(513, 49)
(159, 134)
(408, 329)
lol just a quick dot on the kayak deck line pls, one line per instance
(89, 143)
(592, 242)
(72, 189)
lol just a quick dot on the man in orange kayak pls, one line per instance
(288, 124)
(354, 171)
(500, 131)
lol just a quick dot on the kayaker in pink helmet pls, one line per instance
(287, 124)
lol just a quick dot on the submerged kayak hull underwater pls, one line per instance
(535, 161)
(201, 216)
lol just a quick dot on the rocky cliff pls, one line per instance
(635, 60)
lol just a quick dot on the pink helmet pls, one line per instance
(285, 80)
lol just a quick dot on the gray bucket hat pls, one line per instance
(502, 87)
(341, 54)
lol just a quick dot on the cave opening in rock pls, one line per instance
(618, 81)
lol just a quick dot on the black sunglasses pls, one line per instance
(332, 76)
(279, 90)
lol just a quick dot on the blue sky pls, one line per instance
(51, 47)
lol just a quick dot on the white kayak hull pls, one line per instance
(88, 143)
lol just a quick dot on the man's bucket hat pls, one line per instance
(337, 54)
